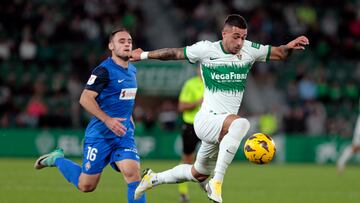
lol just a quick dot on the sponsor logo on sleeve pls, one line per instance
(91, 80)
(255, 45)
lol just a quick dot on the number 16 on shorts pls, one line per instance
(91, 154)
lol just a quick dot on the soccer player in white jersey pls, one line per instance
(224, 68)
(351, 149)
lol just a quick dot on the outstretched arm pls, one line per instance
(283, 52)
(161, 54)
(167, 54)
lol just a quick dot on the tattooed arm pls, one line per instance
(161, 54)
(284, 51)
(167, 54)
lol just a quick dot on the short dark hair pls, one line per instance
(119, 29)
(236, 20)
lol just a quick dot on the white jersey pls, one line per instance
(225, 74)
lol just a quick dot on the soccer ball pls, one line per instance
(259, 148)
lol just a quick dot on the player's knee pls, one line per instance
(87, 187)
(132, 175)
(198, 176)
(239, 126)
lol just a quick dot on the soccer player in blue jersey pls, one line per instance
(109, 95)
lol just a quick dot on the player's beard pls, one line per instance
(124, 58)
(236, 49)
(122, 55)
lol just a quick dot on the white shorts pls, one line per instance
(208, 127)
(356, 137)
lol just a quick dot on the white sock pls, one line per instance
(229, 146)
(345, 156)
(178, 174)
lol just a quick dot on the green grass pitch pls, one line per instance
(244, 182)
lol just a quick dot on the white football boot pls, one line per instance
(147, 182)
(213, 188)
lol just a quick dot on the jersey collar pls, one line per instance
(222, 48)
(112, 62)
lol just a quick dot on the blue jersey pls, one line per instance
(117, 88)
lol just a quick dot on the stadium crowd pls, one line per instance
(47, 49)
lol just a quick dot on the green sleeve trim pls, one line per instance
(186, 57)
(268, 54)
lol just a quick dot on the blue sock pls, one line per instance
(131, 190)
(70, 170)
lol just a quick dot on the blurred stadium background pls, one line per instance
(308, 104)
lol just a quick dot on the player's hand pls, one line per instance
(135, 55)
(115, 125)
(298, 43)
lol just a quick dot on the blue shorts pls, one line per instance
(98, 153)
